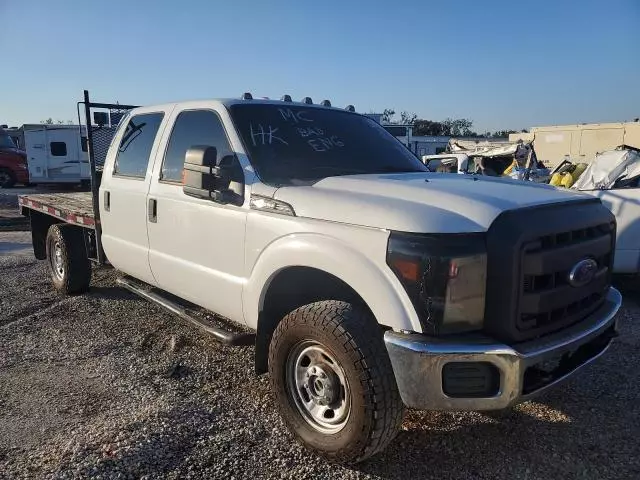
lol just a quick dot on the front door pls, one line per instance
(196, 246)
(123, 195)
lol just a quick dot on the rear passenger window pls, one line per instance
(192, 127)
(58, 149)
(135, 147)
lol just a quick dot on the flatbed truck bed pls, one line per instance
(72, 207)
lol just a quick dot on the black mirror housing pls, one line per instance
(201, 156)
(205, 177)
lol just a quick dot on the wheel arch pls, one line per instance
(297, 271)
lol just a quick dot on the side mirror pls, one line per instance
(204, 177)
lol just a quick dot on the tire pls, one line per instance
(344, 348)
(7, 178)
(69, 265)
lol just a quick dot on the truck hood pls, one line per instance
(418, 202)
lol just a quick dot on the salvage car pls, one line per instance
(614, 178)
(368, 283)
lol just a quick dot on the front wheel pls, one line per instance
(333, 381)
(69, 265)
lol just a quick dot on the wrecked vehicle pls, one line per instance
(516, 160)
(614, 177)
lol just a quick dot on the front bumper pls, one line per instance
(418, 361)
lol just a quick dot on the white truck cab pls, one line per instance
(371, 284)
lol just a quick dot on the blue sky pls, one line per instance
(504, 64)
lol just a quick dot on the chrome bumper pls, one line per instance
(418, 361)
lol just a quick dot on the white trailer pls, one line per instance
(56, 153)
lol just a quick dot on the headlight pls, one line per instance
(444, 276)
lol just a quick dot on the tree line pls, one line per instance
(50, 121)
(449, 127)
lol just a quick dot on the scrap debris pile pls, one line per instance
(613, 169)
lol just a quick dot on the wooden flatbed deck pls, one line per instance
(72, 207)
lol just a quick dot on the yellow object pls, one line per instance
(567, 180)
(556, 178)
(509, 169)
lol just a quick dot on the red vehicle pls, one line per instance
(13, 163)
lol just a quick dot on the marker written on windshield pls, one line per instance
(296, 117)
(264, 136)
(322, 144)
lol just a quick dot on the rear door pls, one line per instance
(123, 193)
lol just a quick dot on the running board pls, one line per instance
(224, 336)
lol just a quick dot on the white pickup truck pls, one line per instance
(370, 283)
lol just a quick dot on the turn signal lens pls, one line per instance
(407, 269)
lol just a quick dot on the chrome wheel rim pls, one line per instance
(57, 263)
(4, 178)
(318, 386)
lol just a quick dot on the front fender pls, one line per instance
(376, 284)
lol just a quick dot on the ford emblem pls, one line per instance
(582, 272)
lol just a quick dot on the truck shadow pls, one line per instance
(111, 293)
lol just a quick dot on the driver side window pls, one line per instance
(192, 127)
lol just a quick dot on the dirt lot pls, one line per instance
(104, 385)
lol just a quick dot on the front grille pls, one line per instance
(547, 301)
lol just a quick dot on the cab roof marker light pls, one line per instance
(286, 98)
(266, 204)
(247, 96)
(325, 103)
(350, 108)
(307, 100)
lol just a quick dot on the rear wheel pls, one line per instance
(333, 381)
(69, 265)
(7, 178)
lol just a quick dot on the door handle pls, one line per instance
(152, 210)
(107, 201)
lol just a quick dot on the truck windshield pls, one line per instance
(5, 141)
(298, 145)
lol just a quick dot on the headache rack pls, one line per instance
(101, 121)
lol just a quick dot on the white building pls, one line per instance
(418, 144)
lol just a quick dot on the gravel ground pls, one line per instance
(8, 203)
(104, 385)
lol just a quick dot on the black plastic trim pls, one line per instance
(507, 237)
